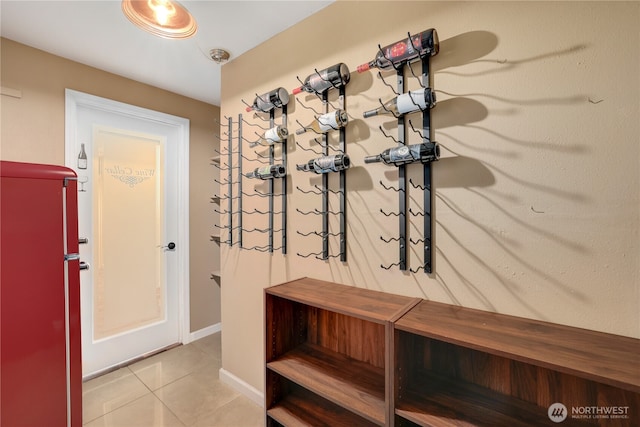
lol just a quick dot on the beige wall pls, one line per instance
(33, 131)
(537, 206)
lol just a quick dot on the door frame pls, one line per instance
(75, 99)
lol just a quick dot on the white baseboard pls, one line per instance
(204, 332)
(242, 386)
(225, 376)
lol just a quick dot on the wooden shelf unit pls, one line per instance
(459, 366)
(344, 356)
(331, 341)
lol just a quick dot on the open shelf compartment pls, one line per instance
(301, 407)
(458, 386)
(464, 367)
(332, 342)
(337, 378)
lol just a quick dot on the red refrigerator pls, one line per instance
(40, 354)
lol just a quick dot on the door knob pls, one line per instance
(171, 246)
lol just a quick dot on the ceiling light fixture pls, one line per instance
(164, 18)
(219, 56)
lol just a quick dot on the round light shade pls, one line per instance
(164, 18)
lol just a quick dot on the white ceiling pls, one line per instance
(97, 33)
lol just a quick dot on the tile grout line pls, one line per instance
(215, 355)
(84, 422)
(169, 409)
(149, 392)
(153, 392)
(163, 385)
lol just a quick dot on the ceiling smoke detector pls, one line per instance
(219, 56)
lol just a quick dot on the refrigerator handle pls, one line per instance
(71, 257)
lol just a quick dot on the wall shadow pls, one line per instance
(458, 111)
(358, 179)
(463, 48)
(461, 172)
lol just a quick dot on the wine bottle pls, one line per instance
(406, 103)
(264, 103)
(326, 122)
(335, 76)
(275, 134)
(82, 158)
(267, 172)
(425, 152)
(326, 164)
(419, 45)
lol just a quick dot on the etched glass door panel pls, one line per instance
(132, 166)
(128, 207)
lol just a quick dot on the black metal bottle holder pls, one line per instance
(228, 181)
(325, 190)
(402, 190)
(270, 195)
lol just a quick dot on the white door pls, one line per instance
(133, 210)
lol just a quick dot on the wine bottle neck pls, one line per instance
(373, 159)
(371, 113)
(364, 67)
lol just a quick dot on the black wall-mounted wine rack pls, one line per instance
(328, 147)
(229, 167)
(268, 159)
(325, 190)
(402, 189)
(236, 193)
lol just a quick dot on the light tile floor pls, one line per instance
(176, 388)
